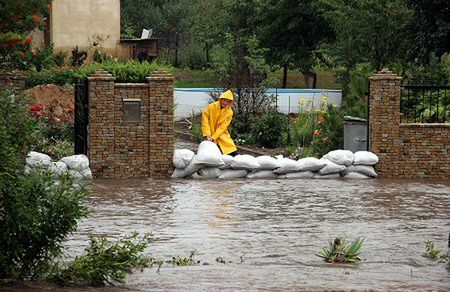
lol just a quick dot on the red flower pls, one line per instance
(320, 119)
(22, 55)
(34, 53)
(35, 18)
(28, 41)
(55, 71)
(316, 132)
(37, 115)
(44, 24)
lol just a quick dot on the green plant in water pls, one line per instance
(341, 252)
(106, 262)
(180, 261)
(431, 252)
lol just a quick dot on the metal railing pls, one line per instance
(425, 104)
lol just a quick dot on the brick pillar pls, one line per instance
(101, 124)
(161, 124)
(384, 119)
(12, 80)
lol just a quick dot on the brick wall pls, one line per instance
(405, 150)
(11, 80)
(119, 149)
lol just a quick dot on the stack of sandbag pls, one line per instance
(209, 163)
(76, 166)
(362, 165)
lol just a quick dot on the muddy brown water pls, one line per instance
(270, 230)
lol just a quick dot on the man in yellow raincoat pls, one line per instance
(215, 121)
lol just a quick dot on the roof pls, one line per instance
(138, 40)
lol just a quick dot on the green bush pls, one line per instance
(131, 71)
(36, 214)
(192, 56)
(105, 262)
(268, 129)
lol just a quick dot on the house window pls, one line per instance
(132, 110)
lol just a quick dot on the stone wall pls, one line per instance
(405, 150)
(12, 80)
(122, 149)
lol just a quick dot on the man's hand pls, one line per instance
(209, 138)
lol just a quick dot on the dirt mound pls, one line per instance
(51, 95)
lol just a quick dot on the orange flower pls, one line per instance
(316, 132)
(320, 119)
(35, 18)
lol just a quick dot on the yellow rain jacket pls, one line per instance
(215, 122)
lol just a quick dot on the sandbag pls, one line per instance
(75, 174)
(267, 162)
(331, 167)
(192, 167)
(86, 173)
(36, 159)
(327, 176)
(310, 164)
(59, 168)
(355, 175)
(302, 174)
(228, 160)
(364, 169)
(365, 158)
(245, 161)
(182, 157)
(76, 162)
(233, 173)
(207, 173)
(209, 154)
(287, 165)
(342, 157)
(261, 174)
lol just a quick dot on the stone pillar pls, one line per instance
(161, 124)
(12, 80)
(101, 124)
(384, 119)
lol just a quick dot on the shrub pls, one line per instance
(36, 214)
(341, 252)
(268, 129)
(105, 262)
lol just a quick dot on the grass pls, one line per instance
(341, 252)
(186, 78)
(431, 252)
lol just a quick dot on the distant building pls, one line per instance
(90, 25)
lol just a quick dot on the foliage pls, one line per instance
(101, 57)
(78, 57)
(355, 104)
(105, 262)
(37, 214)
(267, 129)
(436, 72)
(59, 58)
(131, 71)
(191, 56)
(431, 252)
(180, 261)
(195, 128)
(19, 19)
(341, 252)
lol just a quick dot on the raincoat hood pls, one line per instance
(227, 95)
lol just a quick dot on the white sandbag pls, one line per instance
(287, 165)
(233, 173)
(228, 160)
(365, 158)
(302, 174)
(86, 173)
(261, 174)
(182, 157)
(75, 174)
(76, 162)
(267, 162)
(59, 168)
(355, 175)
(207, 173)
(311, 164)
(192, 167)
(208, 154)
(364, 169)
(36, 159)
(342, 157)
(327, 176)
(331, 167)
(27, 169)
(245, 161)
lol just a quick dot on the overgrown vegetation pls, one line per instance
(105, 262)
(341, 252)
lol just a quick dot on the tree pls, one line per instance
(293, 30)
(19, 19)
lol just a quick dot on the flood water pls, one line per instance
(270, 230)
